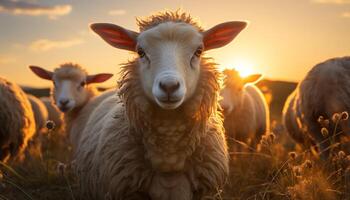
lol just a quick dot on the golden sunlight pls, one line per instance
(244, 67)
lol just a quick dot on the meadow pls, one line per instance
(276, 169)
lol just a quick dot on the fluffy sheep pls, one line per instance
(74, 95)
(323, 92)
(54, 114)
(17, 123)
(246, 114)
(40, 112)
(165, 140)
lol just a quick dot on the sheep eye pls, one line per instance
(82, 84)
(198, 52)
(141, 52)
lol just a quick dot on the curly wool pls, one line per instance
(17, 122)
(128, 148)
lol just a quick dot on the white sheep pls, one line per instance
(74, 95)
(165, 140)
(246, 113)
(324, 91)
(17, 123)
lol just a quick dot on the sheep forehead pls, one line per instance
(69, 73)
(170, 31)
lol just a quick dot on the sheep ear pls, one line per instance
(255, 78)
(222, 34)
(116, 36)
(98, 78)
(42, 73)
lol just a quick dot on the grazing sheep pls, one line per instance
(55, 114)
(40, 112)
(17, 123)
(165, 140)
(246, 114)
(74, 95)
(324, 91)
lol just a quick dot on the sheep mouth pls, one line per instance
(169, 103)
(64, 108)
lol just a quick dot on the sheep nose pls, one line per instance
(169, 86)
(64, 102)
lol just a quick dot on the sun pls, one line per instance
(244, 67)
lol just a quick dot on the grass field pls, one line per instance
(276, 169)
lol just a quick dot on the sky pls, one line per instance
(284, 39)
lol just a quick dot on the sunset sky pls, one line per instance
(284, 39)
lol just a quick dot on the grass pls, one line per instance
(276, 169)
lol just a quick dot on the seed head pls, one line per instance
(324, 132)
(336, 117)
(344, 116)
(292, 155)
(50, 124)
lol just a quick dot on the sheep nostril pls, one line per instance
(169, 87)
(64, 102)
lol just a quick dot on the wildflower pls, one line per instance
(336, 117)
(324, 132)
(344, 116)
(320, 119)
(292, 155)
(50, 124)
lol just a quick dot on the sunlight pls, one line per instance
(244, 67)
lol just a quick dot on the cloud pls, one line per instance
(15, 7)
(6, 59)
(339, 2)
(117, 12)
(47, 45)
(346, 14)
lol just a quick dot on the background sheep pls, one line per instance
(245, 109)
(40, 112)
(324, 91)
(165, 140)
(17, 123)
(54, 113)
(74, 95)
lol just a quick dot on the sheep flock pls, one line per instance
(176, 126)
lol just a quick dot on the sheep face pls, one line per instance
(169, 55)
(233, 91)
(169, 61)
(70, 84)
(69, 92)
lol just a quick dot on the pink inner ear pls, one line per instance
(98, 78)
(42, 73)
(116, 35)
(222, 34)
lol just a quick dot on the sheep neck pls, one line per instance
(169, 137)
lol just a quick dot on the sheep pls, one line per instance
(74, 95)
(55, 114)
(40, 112)
(164, 139)
(17, 123)
(246, 113)
(323, 92)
